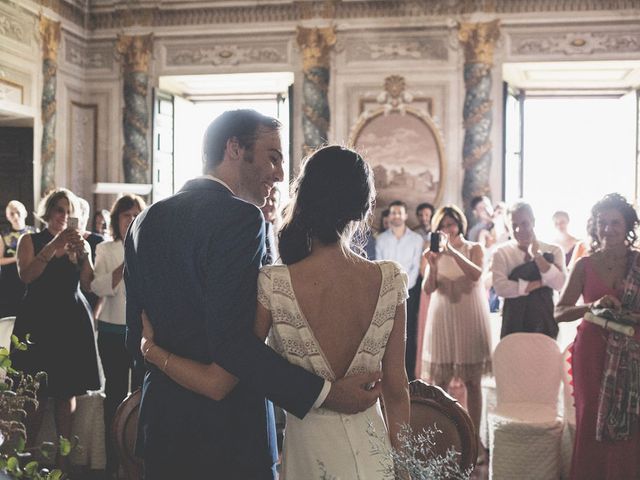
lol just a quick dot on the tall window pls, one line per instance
(574, 150)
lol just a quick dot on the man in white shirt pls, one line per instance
(401, 244)
(525, 272)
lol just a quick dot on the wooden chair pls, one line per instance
(431, 405)
(124, 432)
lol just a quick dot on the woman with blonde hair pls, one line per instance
(55, 313)
(11, 288)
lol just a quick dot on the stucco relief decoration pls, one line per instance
(478, 41)
(11, 28)
(316, 45)
(404, 146)
(135, 54)
(576, 43)
(227, 55)
(397, 49)
(50, 36)
(93, 58)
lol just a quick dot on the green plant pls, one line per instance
(18, 400)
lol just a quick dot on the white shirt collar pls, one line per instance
(216, 179)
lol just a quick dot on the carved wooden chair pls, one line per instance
(124, 431)
(431, 405)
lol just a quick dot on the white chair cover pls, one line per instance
(524, 428)
(88, 426)
(6, 329)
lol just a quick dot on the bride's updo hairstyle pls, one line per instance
(332, 199)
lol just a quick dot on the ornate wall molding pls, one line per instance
(574, 43)
(89, 57)
(17, 29)
(227, 54)
(418, 48)
(82, 146)
(152, 13)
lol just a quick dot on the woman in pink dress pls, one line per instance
(605, 449)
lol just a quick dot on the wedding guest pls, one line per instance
(563, 237)
(525, 272)
(424, 212)
(457, 340)
(93, 239)
(271, 224)
(101, 223)
(605, 365)
(401, 244)
(483, 213)
(108, 285)
(384, 221)
(53, 263)
(349, 304)
(11, 287)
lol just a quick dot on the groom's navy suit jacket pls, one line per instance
(192, 262)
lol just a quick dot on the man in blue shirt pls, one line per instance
(401, 244)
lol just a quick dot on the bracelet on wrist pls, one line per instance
(166, 362)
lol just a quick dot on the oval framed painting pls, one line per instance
(406, 151)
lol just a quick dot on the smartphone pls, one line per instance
(435, 242)
(72, 222)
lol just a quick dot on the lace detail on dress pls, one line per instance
(292, 337)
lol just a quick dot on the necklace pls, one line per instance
(612, 262)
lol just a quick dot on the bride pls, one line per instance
(332, 312)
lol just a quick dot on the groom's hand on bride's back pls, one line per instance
(354, 394)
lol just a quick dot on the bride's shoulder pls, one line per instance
(390, 266)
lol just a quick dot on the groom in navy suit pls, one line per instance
(192, 262)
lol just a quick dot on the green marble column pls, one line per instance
(316, 44)
(50, 35)
(478, 40)
(135, 54)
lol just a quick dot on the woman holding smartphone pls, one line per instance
(52, 264)
(457, 337)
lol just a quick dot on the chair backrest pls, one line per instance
(6, 329)
(431, 405)
(528, 369)
(124, 432)
(567, 385)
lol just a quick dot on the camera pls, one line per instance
(435, 242)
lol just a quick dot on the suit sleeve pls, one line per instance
(134, 308)
(230, 270)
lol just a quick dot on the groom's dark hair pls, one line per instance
(240, 124)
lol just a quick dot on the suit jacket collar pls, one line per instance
(205, 183)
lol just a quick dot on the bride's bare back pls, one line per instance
(338, 297)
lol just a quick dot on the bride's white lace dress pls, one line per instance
(326, 444)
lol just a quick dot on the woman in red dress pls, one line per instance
(607, 447)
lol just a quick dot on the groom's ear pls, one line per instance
(233, 149)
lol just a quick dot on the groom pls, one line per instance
(192, 262)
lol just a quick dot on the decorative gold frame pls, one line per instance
(366, 117)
